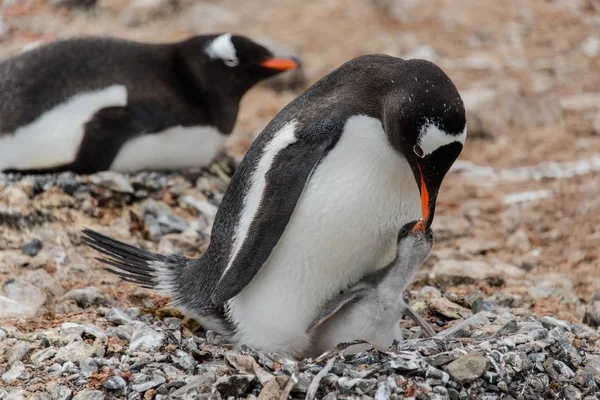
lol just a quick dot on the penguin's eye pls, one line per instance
(403, 232)
(430, 235)
(231, 62)
(418, 151)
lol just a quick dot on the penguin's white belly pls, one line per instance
(174, 148)
(54, 138)
(345, 225)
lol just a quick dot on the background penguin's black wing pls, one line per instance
(286, 179)
(110, 127)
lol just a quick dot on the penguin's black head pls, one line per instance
(424, 118)
(236, 63)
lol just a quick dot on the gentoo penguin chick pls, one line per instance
(95, 103)
(372, 309)
(316, 204)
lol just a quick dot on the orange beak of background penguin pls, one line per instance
(280, 64)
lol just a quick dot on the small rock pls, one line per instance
(152, 383)
(42, 355)
(18, 352)
(75, 351)
(88, 367)
(146, 339)
(550, 322)
(58, 392)
(90, 296)
(112, 181)
(234, 385)
(448, 309)
(32, 248)
(17, 371)
(591, 46)
(21, 299)
(463, 328)
(193, 383)
(592, 315)
(581, 102)
(90, 395)
(115, 383)
(468, 368)
(519, 241)
(118, 317)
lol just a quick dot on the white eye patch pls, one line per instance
(432, 138)
(222, 48)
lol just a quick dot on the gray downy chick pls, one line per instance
(372, 309)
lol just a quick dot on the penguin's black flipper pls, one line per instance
(108, 130)
(285, 180)
(334, 306)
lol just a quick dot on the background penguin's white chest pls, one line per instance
(345, 225)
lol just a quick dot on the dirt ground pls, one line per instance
(536, 60)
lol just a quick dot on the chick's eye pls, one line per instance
(418, 150)
(230, 62)
(430, 235)
(403, 232)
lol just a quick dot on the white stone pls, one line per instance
(145, 338)
(581, 102)
(591, 46)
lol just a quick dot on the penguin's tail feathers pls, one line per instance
(139, 266)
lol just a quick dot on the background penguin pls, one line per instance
(316, 204)
(90, 104)
(372, 309)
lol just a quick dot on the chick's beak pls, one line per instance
(419, 226)
(281, 64)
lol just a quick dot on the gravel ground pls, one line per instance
(511, 284)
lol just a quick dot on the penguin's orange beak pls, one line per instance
(424, 197)
(280, 64)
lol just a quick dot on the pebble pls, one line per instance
(32, 248)
(551, 322)
(90, 296)
(18, 352)
(43, 355)
(88, 367)
(115, 383)
(234, 385)
(75, 351)
(468, 368)
(90, 395)
(591, 46)
(17, 371)
(145, 338)
(448, 309)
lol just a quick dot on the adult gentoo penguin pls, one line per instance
(316, 204)
(95, 103)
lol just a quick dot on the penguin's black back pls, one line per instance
(40, 79)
